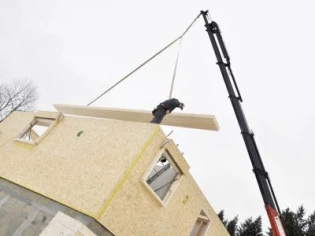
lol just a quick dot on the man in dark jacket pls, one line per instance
(164, 108)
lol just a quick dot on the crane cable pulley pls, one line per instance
(148, 60)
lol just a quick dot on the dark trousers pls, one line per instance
(159, 115)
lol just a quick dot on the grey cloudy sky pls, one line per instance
(74, 50)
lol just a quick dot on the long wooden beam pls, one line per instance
(194, 121)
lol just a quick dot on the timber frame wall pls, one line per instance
(96, 167)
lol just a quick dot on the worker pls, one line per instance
(164, 108)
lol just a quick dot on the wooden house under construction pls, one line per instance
(97, 175)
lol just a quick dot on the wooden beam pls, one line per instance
(46, 114)
(34, 135)
(194, 121)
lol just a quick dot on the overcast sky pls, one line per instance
(74, 50)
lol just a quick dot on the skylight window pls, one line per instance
(36, 130)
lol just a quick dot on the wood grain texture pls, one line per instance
(99, 174)
(194, 121)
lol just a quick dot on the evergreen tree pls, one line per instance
(310, 224)
(232, 226)
(221, 217)
(250, 227)
(295, 223)
(246, 229)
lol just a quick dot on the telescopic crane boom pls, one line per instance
(223, 61)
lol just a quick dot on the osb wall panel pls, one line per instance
(134, 211)
(80, 172)
(177, 156)
(12, 126)
(84, 172)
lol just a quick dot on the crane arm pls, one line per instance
(262, 177)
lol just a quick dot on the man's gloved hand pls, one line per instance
(181, 105)
(154, 111)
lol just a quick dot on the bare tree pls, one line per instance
(21, 95)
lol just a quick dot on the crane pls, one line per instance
(262, 177)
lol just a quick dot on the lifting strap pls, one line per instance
(176, 62)
(126, 76)
(148, 60)
(175, 68)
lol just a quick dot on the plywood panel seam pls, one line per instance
(128, 172)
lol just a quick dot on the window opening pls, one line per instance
(36, 129)
(163, 176)
(201, 225)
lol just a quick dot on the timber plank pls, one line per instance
(194, 121)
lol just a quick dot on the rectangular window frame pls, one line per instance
(51, 123)
(174, 185)
(203, 217)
